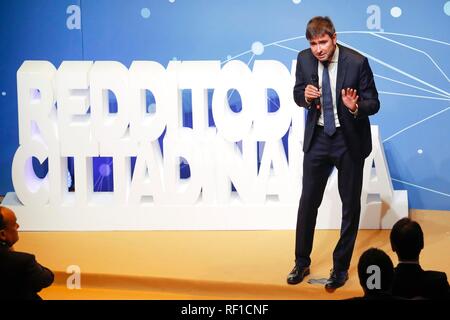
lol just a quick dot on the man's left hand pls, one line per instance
(350, 98)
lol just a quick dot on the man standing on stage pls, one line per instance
(335, 84)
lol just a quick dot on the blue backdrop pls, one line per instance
(407, 43)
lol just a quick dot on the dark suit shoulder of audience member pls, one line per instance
(410, 280)
(21, 276)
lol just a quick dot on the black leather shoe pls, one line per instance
(297, 274)
(337, 279)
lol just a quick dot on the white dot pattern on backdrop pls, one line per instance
(145, 13)
(447, 8)
(257, 48)
(396, 12)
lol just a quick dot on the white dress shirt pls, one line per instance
(332, 71)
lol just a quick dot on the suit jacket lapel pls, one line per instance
(342, 68)
(314, 63)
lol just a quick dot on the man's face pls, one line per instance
(323, 46)
(9, 234)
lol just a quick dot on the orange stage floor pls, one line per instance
(210, 264)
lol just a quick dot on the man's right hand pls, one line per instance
(311, 93)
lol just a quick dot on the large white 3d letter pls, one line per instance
(37, 129)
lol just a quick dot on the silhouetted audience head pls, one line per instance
(375, 271)
(407, 239)
(411, 281)
(8, 227)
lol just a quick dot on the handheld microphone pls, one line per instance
(315, 83)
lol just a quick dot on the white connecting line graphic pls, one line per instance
(397, 69)
(423, 188)
(414, 49)
(413, 86)
(415, 124)
(412, 95)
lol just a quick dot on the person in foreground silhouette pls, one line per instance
(376, 273)
(21, 276)
(410, 280)
(335, 84)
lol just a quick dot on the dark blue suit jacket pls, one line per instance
(411, 281)
(353, 72)
(21, 276)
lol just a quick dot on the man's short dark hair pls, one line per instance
(318, 26)
(407, 239)
(376, 257)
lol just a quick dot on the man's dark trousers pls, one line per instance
(325, 153)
